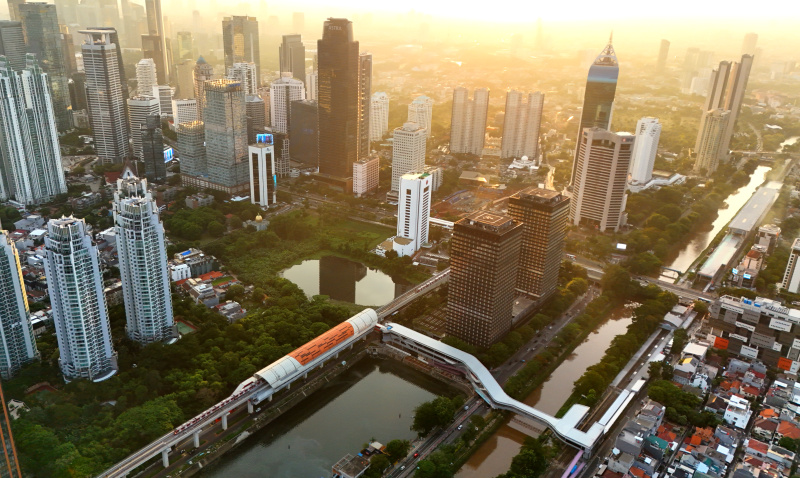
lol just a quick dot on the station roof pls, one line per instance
(753, 211)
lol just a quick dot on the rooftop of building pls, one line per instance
(754, 210)
(488, 220)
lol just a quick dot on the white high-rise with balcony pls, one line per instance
(379, 116)
(245, 73)
(139, 108)
(414, 208)
(79, 308)
(408, 151)
(184, 111)
(146, 77)
(420, 111)
(142, 263)
(281, 94)
(648, 131)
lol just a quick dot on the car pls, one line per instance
(460, 427)
(416, 455)
(466, 407)
(402, 467)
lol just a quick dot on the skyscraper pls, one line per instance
(379, 116)
(484, 255)
(185, 46)
(312, 86)
(245, 73)
(30, 155)
(304, 133)
(521, 125)
(73, 277)
(12, 43)
(191, 146)
(663, 54)
(43, 37)
(105, 95)
(292, 56)
(263, 177)
(414, 208)
(240, 42)
(598, 100)
(601, 174)
(202, 73)
(408, 151)
(648, 132)
(154, 44)
(710, 140)
(13, 10)
(226, 136)
(185, 73)
(153, 48)
(139, 109)
(17, 343)
(468, 121)
(282, 92)
(420, 111)
(749, 44)
(146, 77)
(365, 99)
(155, 169)
(163, 93)
(142, 263)
(256, 117)
(544, 215)
(339, 101)
(791, 276)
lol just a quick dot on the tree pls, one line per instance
(377, 464)
(215, 228)
(700, 307)
(234, 292)
(429, 415)
(398, 449)
(788, 443)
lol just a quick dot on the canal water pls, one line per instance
(788, 142)
(375, 399)
(494, 456)
(345, 280)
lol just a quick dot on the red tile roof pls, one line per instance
(758, 446)
(788, 429)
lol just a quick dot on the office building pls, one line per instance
(601, 172)
(256, 117)
(164, 95)
(544, 214)
(468, 121)
(521, 123)
(246, 74)
(484, 258)
(77, 91)
(749, 44)
(648, 132)
(408, 151)
(31, 171)
(366, 175)
(142, 263)
(304, 133)
(263, 177)
(202, 73)
(146, 77)
(185, 46)
(365, 98)
(312, 88)
(184, 111)
(791, 277)
(663, 54)
(282, 93)
(192, 150)
(17, 343)
(153, 48)
(73, 277)
(292, 56)
(339, 102)
(420, 111)
(414, 209)
(379, 116)
(241, 42)
(709, 148)
(68, 51)
(226, 136)
(598, 99)
(105, 95)
(43, 39)
(153, 149)
(12, 43)
(139, 109)
(185, 73)
(156, 41)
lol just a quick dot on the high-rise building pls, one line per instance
(420, 111)
(663, 54)
(484, 258)
(312, 86)
(379, 116)
(245, 73)
(43, 38)
(152, 47)
(202, 73)
(185, 46)
(139, 109)
(366, 175)
(339, 101)
(408, 151)
(282, 93)
(17, 343)
(414, 208)
(225, 121)
(192, 150)
(749, 44)
(142, 263)
(598, 100)
(791, 277)
(9, 467)
(105, 95)
(77, 91)
(185, 73)
(163, 93)
(154, 44)
(544, 214)
(68, 51)
(365, 99)
(146, 77)
(648, 132)
(468, 121)
(184, 111)
(304, 133)
(521, 125)
(13, 9)
(600, 180)
(73, 275)
(263, 178)
(292, 56)
(155, 169)
(12, 43)
(256, 117)
(241, 42)
(709, 148)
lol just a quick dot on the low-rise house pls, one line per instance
(765, 428)
(787, 429)
(756, 448)
(738, 412)
(780, 455)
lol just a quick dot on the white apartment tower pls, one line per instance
(414, 208)
(146, 77)
(263, 178)
(142, 263)
(468, 121)
(648, 131)
(408, 151)
(420, 111)
(379, 116)
(30, 156)
(366, 174)
(184, 111)
(523, 117)
(246, 74)
(79, 307)
(282, 92)
(791, 278)
(17, 344)
(139, 108)
(601, 173)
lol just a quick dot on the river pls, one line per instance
(494, 456)
(788, 142)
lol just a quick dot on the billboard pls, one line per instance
(264, 138)
(169, 155)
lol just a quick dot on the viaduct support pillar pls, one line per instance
(225, 421)
(249, 407)
(165, 457)
(196, 437)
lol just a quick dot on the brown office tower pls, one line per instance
(544, 214)
(484, 255)
(9, 467)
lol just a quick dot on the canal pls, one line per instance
(494, 456)
(375, 399)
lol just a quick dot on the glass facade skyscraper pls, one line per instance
(241, 43)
